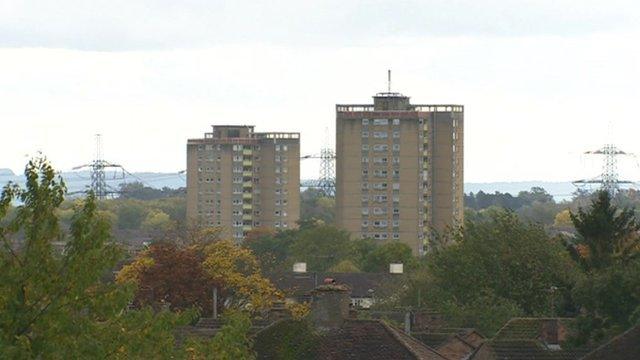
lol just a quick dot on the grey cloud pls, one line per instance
(141, 25)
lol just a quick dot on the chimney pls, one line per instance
(300, 267)
(396, 268)
(330, 306)
(553, 333)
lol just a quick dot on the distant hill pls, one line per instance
(80, 180)
(6, 172)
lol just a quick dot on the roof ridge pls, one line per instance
(615, 338)
(396, 335)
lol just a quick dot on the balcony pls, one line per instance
(247, 174)
(247, 152)
(247, 206)
(247, 196)
(247, 217)
(247, 163)
(247, 184)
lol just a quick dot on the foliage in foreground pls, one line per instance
(54, 299)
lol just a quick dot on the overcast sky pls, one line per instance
(541, 81)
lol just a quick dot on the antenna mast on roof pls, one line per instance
(389, 81)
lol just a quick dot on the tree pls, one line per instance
(609, 300)
(379, 259)
(167, 273)
(609, 233)
(344, 266)
(157, 221)
(237, 271)
(321, 247)
(53, 303)
(131, 214)
(230, 343)
(511, 263)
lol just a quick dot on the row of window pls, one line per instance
(380, 134)
(379, 186)
(381, 160)
(380, 236)
(380, 122)
(380, 223)
(380, 147)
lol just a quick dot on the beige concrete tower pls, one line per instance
(240, 180)
(399, 169)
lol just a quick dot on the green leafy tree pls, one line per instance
(131, 214)
(379, 259)
(53, 303)
(321, 247)
(610, 302)
(609, 233)
(503, 259)
(230, 343)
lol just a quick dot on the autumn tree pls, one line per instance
(238, 272)
(168, 273)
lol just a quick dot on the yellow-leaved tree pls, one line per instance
(238, 269)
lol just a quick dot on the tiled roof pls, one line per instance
(623, 346)
(524, 339)
(355, 339)
(525, 328)
(521, 350)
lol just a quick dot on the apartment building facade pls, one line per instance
(399, 169)
(239, 180)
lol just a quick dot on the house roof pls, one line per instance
(623, 346)
(355, 339)
(521, 350)
(523, 339)
(296, 284)
(526, 328)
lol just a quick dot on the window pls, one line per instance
(365, 159)
(365, 197)
(379, 211)
(365, 147)
(277, 212)
(396, 186)
(378, 160)
(396, 223)
(380, 134)
(365, 134)
(396, 121)
(396, 147)
(365, 121)
(365, 186)
(396, 236)
(365, 172)
(380, 147)
(365, 211)
(284, 148)
(277, 147)
(365, 223)
(396, 160)
(380, 122)
(380, 186)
